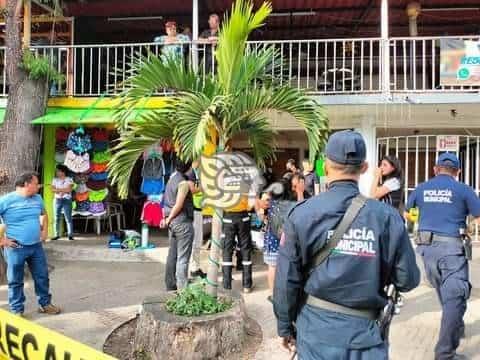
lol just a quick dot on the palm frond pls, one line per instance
(150, 75)
(195, 115)
(261, 137)
(309, 114)
(151, 126)
(257, 67)
(233, 37)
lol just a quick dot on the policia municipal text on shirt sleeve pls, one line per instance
(374, 252)
(444, 204)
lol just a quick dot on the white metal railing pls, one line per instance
(331, 66)
(321, 67)
(416, 65)
(419, 153)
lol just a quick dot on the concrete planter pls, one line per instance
(162, 335)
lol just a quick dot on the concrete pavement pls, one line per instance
(99, 294)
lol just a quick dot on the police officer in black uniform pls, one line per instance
(443, 204)
(330, 310)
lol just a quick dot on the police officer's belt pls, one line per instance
(369, 314)
(440, 238)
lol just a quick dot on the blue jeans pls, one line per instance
(34, 256)
(66, 206)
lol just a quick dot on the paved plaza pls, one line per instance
(99, 289)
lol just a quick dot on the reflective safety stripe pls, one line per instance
(247, 263)
(222, 236)
(227, 263)
(245, 219)
(227, 221)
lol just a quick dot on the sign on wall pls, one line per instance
(447, 143)
(459, 62)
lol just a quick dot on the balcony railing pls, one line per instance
(321, 67)
(416, 65)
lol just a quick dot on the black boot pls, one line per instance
(227, 277)
(247, 278)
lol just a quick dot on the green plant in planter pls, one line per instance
(39, 67)
(194, 301)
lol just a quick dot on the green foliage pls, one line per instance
(236, 102)
(39, 67)
(194, 301)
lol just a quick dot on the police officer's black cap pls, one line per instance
(346, 147)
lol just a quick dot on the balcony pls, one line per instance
(321, 67)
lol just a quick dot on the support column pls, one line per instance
(369, 133)
(195, 32)
(385, 48)
(27, 23)
(48, 172)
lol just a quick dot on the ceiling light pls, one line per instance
(134, 18)
(294, 13)
(452, 9)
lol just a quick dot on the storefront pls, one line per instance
(80, 134)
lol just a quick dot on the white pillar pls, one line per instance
(195, 32)
(369, 133)
(385, 48)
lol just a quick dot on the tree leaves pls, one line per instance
(236, 102)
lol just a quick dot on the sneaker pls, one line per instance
(71, 238)
(199, 273)
(55, 238)
(49, 309)
(247, 290)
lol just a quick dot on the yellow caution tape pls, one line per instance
(21, 339)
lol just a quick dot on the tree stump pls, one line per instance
(163, 335)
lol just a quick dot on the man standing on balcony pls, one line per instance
(210, 38)
(342, 273)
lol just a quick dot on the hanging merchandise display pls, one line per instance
(86, 154)
(153, 171)
(152, 213)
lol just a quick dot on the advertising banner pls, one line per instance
(459, 62)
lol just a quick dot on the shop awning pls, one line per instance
(2, 115)
(62, 116)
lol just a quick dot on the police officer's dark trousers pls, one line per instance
(447, 270)
(237, 224)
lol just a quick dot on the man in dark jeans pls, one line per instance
(179, 211)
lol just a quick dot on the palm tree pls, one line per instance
(207, 108)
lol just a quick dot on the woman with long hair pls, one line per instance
(279, 201)
(387, 184)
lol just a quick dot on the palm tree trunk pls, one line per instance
(215, 256)
(216, 249)
(20, 141)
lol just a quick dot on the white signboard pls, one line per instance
(447, 143)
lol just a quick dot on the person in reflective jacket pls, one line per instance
(374, 252)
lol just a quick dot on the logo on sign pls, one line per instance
(463, 74)
(447, 143)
